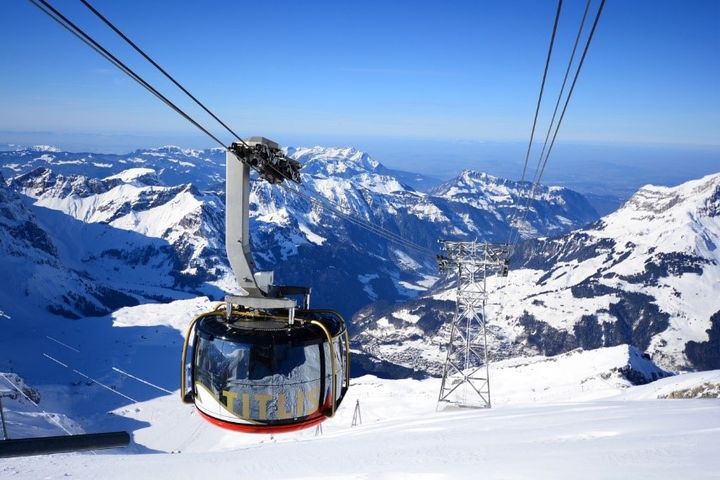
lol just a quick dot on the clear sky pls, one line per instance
(335, 71)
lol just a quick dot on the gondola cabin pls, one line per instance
(259, 363)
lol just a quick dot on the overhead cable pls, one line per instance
(53, 13)
(542, 162)
(542, 87)
(539, 100)
(162, 70)
(49, 10)
(552, 122)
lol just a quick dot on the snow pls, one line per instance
(311, 236)
(403, 436)
(412, 286)
(573, 415)
(44, 148)
(175, 314)
(428, 211)
(406, 316)
(406, 260)
(131, 174)
(666, 387)
(279, 217)
(366, 280)
(673, 211)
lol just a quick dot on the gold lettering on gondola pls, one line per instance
(282, 412)
(300, 404)
(262, 399)
(230, 396)
(266, 406)
(314, 394)
(246, 405)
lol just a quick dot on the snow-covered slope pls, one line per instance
(590, 440)
(114, 374)
(647, 275)
(135, 200)
(35, 272)
(554, 210)
(120, 372)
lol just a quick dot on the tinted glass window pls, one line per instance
(262, 382)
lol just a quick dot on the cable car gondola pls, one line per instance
(258, 363)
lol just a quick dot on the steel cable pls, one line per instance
(162, 70)
(540, 97)
(541, 171)
(53, 13)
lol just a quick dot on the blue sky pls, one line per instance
(354, 72)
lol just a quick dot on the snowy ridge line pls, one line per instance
(123, 372)
(47, 415)
(370, 226)
(90, 378)
(61, 343)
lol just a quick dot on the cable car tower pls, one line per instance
(466, 370)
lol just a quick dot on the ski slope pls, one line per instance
(404, 437)
(570, 416)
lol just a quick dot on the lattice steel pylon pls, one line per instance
(466, 370)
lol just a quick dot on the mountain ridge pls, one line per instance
(148, 191)
(646, 275)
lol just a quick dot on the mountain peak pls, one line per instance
(172, 150)
(473, 183)
(334, 161)
(681, 203)
(44, 148)
(140, 175)
(469, 175)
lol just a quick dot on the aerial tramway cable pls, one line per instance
(514, 234)
(162, 70)
(572, 88)
(542, 162)
(53, 13)
(564, 82)
(542, 88)
(537, 109)
(324, 203)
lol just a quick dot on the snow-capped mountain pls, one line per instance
(647, 275)
(134, 200)
(295, 238)
(80, 246)
(347, 266)
(205, 169)
(554, 210)
(35, 272)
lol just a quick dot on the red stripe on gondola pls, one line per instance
(248, 428)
